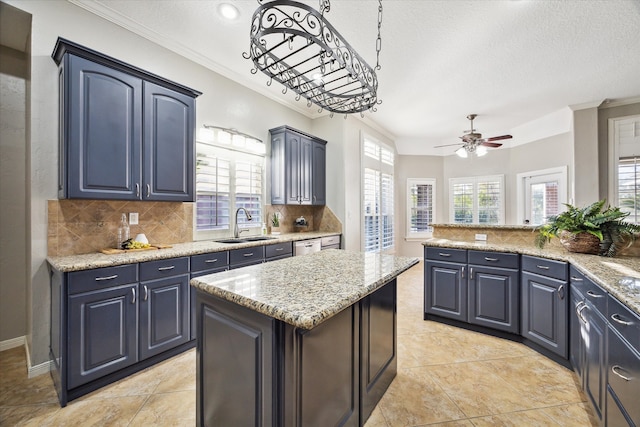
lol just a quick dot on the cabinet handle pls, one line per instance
(462, 276)
(616, 317)
(490, 259)
(137, 190)
(171, 267)
(614, 370)
(247, 255)
(99, 279)
(561, 292)
(209, 261)
(444, 255)
(314, 199)
(593, 294)
(133, 293)
(471, 273)
(542, 267)
(279, 249)
(579, 311)
(146, 292)
(576, 279)
(148, 190)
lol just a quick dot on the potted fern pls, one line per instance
(275, 223)
(593, 229)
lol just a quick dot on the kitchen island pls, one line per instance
(302, 341)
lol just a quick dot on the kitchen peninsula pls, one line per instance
(301, 341)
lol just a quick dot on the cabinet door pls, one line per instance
(103, 330)
(445, 292)
(278, 173)
(293, 147)
(169, 123)
(103, 127)
(493, 298)
(306, 174)
(594, 372)
(623, 370)
(545, 312)
(576, 340)
(164, 314)
(319, 173)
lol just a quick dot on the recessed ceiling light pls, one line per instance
(228, 11)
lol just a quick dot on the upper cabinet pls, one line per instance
(124, 133)
(298, 165)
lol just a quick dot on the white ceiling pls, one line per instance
(511, 62)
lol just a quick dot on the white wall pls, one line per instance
(585, 155)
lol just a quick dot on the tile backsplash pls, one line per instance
(319, 218)
(86, 226)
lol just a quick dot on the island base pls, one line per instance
(255, 370)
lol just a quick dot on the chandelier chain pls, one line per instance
(379, 39)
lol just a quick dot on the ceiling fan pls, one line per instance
(473, 142)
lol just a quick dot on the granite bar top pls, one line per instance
(304, 291)
(606, 272)
(486, 227)
(98, 260)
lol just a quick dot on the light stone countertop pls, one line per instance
(487, 226)
(604, 271)
(304, 291)
(98, 260)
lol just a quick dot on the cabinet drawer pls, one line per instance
(589, 290)
(209, 261)
(493, 259)
(545, 267)
(331, 240)
(624, 375)
(446, 254)
(163, 268)
(625, 322)
(246, 255)
(100, 278)
(278, 250)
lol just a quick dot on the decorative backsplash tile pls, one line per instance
(319, 218)
(86, 226)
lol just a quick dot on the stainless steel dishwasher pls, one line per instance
(304, 247)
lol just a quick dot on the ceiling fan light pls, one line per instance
(228, 11)
(481, 150)
(462, 152)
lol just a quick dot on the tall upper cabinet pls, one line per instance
(125, 133)
(298, 168)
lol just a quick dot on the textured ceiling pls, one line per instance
(511, 62)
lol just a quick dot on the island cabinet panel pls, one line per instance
(445, 289)
(493, 297)
(379, 346)
(102, 333)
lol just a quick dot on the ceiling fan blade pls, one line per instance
(498, 138)
(490, 144)
(448, 145)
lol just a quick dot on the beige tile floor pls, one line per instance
(446, 377)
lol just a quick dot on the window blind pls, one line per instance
(371, 199)
(420, 208)
(248, 192)
(212, 192)
(629, 187)
(477, 200)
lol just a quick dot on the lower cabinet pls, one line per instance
(544, 306)
(445, 283)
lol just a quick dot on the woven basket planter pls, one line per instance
(583, 243)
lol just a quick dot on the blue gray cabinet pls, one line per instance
(623, 365)
(124, 133)
(494, 290)
(164, 305)
(298, 163)
(201, 265)
(588, 331)
(445, 284)
(544, 304)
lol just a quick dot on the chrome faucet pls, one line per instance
(236, 231)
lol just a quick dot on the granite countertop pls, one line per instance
(98, 260)
(305, 291)
(486, 226)
(606, 272)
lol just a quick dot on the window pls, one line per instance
(624, 166)
(477, 200)
(629, 187)
(228, 177)
(541, 194)
(377, 203)
(421, 195)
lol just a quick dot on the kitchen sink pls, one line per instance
(245, 239)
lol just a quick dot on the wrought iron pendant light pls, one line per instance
(295, 45)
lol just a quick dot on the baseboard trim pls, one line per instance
(12, 343)
(34, 371)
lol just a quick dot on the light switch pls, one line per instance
(133, 218)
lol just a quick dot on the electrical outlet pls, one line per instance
(133, 218)
(481, 237)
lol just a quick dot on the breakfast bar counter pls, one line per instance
(306, 340)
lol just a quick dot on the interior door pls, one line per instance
(543, 198)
